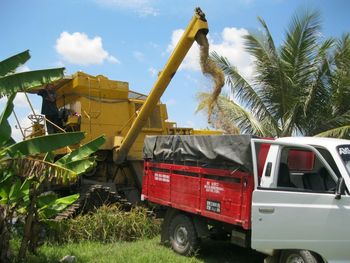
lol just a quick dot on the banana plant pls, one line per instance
(27, 165)
(22, 181)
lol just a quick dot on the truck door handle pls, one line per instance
(268, 210)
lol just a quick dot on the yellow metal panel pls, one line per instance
(207, 132)
(98, 87)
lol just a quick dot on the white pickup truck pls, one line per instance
(287, 198)
(303, 214)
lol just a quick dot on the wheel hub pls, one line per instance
(181, 236)
(295, 259)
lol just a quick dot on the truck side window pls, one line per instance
(306, 174)
(283, 179)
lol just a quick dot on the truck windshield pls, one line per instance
(344, 152)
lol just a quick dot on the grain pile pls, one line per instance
(210, 68)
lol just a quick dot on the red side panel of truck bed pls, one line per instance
(219, 194)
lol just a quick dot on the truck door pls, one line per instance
(294, 207)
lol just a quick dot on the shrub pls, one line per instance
(108, 224)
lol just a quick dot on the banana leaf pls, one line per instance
(28, 167)
(5, 175)
(27, 80)
(50, 207)
(5, 191)
(10, 64)
(46, 198)
(44, 144)
(80, 166)
(14, 192)
(83, 151)
(5, 128)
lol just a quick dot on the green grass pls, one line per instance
(112, 235)
(148, 250)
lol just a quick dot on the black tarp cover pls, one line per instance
(212, 150)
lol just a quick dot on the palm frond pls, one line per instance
(318, 88)
(340, 79)
(269, 38)
(242, 118)
(272, 84)
(298, 51)
(342, 120)
(243, 91)
(338, 132)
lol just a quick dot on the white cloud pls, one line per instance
(231, 46)
(153, 71)
(78, 48)
(141, 7)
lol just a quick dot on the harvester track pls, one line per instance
(90, 198)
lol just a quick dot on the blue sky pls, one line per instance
(132, 40)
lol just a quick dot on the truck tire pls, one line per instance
(183, 236)
(298, 256)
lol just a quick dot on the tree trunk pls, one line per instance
(28, 226)
(35, 234)
(4, 236)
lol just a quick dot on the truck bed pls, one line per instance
(220, 194)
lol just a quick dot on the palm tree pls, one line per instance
(296, 89)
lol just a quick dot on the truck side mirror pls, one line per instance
(340, 188)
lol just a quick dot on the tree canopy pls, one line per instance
(299, 88)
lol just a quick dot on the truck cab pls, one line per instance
(301, 200)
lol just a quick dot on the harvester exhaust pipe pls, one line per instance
(197, 26)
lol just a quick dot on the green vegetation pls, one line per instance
(299, 88)
(26, 167)
(108, 224)
(107, 232)
(148, 250)
(12, 82)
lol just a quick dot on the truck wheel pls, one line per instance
(183, 236)
(298, 256)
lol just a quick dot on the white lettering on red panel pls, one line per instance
(213, 187)
(162, 177)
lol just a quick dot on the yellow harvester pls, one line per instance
(98, 105)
